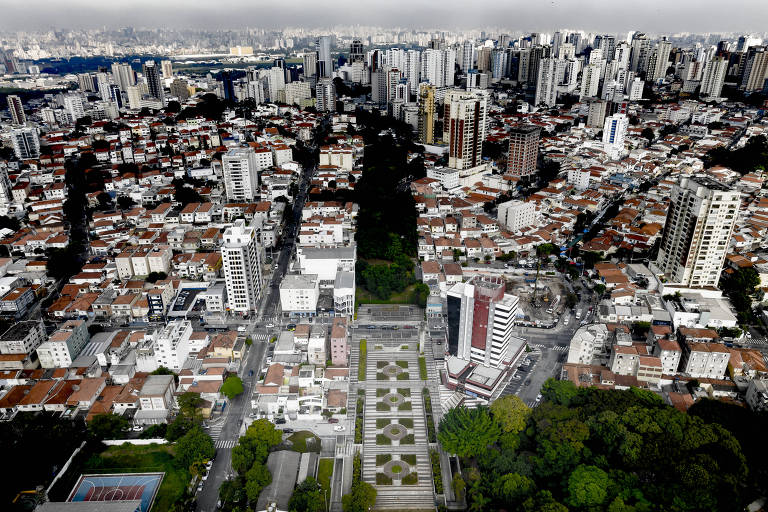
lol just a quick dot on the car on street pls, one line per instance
(270, 325)
(288, 431)
(253, 415)
(338, 428)
(200, 487)
(333, 420)
(137, 428)
(242, 328)
(280, 421)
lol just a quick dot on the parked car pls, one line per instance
(338, 428)
(138, 428)
(288, 430)
(280, 421)
(270, 325)
(333, 420)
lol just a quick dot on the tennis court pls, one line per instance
(118, 487)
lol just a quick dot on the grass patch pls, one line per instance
(380, 392)
(361, 362)
(402, 364)
(394, 399)
(141, 459)
(324, 473)
(365, 297)
(383, 407)
(381, 364)
(382, 422)
(406, 422)
(411, 479)
(422, 368)
(405, 347)
(395, 431)
(304, 441)
(409, 458)
(383, 458)
(409, 439)
(406, 392)
(403, 376)
(437, 476)
(382, 439)
(405, 406)
(396, 469)
(381, 376)
(382, 479)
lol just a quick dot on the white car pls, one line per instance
(138, 428)
(270, 325)
(339, 428)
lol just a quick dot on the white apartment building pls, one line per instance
(515, 215)
(464, 127)
(579, 178)
(240, 174)
(64, 345)
(697, 232)
(22, 337)
(242, 267)
(172, 344)
(706, 360)
(713, 77)
(344, 293)
(299, 294)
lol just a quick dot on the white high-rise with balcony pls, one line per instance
(241, 179)
(242, 267)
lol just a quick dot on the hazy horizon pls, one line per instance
(660, 16)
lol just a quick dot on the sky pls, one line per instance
(613, 16)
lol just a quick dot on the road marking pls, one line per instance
(226, 444)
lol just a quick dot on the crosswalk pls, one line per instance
(557, 348)
(215, 431)
(259, 336)
(226, 444)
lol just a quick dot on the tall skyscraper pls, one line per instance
(228, 86)
(523, 150)
(590, 81)
(427, 113)
(152, 76)
(480, 320)
(356, 53)
(546, 83)
(755, 69)
(73, 104)
(324, 60)
(698, 229)
(241, 178)
(179, 89)
(242, 267)
(167, 68)
(310, 66)
(437, 66)
(712, 77)
(467, 56)
(641, 49)
(326, 95)
(614, 130)
(659, 61)
(464, 123)
(123, 75)
(16, 108)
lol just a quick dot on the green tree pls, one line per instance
(361, 497)
(511, 413)
(648, 134)
(256, 479)
(194, 446)
(588, 487)
(179, 426)
(513, 487)
(307, 497)
(467, 432)
(154, 277)
(242, 458)
(108, 426)
(560, 392)
(232, 387)
(264, 431)
(189, 403)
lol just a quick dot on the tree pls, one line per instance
(361, 498)
(125, 202)
(511, 413)
(560, 392)
(189, 402)
(107, 426)
(242, 458)
(194, 446)
(307, 497)
(256, 479)
(178, 427)
(467, 432)
(513, 487)
(232, 387)
(265, 431)
(588, 487)
(648, 134)
(154, 277)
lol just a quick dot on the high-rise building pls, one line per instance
(437, 66)
(659, 61)
(85, 82)
(227, 86)
(152, 76)
(464, 123)
(26, 144)
(427, 113)
(123, 75)
(712, 77)
(324, 60)
(590, 81)
(16, 108)
(326, 95)
(241, 178)
(523, 150)
(467, 56)
(515, 215)
(103, 81)
(356, 53)
(755, 69)
(310, 65)
(242, 267)
(698, 229)
(167, 68)
(179, 89)
(480, 320)
(596, 113)
(641, 49)
(546, 83)
(614, 130)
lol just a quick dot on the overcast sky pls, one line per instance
(534, 15)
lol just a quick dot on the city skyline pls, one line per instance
(595, 15)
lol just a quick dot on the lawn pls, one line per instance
(422, 368)
(299, 440)
(365, 297)
(383, 407)
(361, 361)
(406, 392)
(410, 458)
(403, 376)
(382, 422)
(144, 459)
(406, 422)
(383, 458)
(402, 364)
(380, 392)
(324, 473)
(382, 439)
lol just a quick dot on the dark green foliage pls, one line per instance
(753, 156)
(108, 426)
(232, 387)
(596, 450)
(154, 277)
(742, 287)
(194, 446)
(307, 497)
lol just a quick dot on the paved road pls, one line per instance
(239, 408)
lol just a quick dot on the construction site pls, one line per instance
(542, 300)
